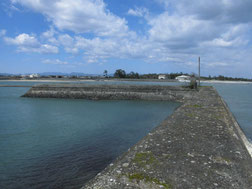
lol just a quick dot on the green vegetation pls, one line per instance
(155, 76)
(105, 73)
(139, 176)
(173, 76)
(133, 75)
(224, 78)
(144, 158)
(222, 160)
(122, 74)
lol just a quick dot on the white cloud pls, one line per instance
(224, 11)
(178, 32)
(217, 64)
(29, 43)
(23, 39)
(217, 30)
(56, 62)
(66, 40)
(220, 42)
(80, 16)
(140, 12)
(99, 49)
(235, 37)
(45, 48)
(49, 36)
(49, 33)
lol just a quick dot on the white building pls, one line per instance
(161, 76)
(183, 78)
(34, 76)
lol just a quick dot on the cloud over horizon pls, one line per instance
(27, 43)
(218, 30)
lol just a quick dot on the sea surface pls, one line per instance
(62, 143)
(238, 97)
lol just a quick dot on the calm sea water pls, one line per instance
(111, 82)
(62, 143)
(239, 100)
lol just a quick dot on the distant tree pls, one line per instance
(221, 77)
(149, 76)
(120, 73)
(133, 75)
(105, 73)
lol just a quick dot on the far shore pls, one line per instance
(47, 80)
(134, 80)
(218, 81)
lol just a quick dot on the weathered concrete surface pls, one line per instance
(199, 146)
(111, 92)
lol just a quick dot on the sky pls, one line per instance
(144, 36)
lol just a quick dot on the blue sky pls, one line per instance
(145, 36)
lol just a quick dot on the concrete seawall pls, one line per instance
(111, 92)
(199, 146)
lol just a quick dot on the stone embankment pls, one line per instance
(199, 146)
(111, 92)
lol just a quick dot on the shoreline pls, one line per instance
(246, 141)
(226, 82)
(123, 80)
(48, 80)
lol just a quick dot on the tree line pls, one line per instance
(120, 73)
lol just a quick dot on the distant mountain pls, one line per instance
(6, 74)
(67, 74)
(53, 73)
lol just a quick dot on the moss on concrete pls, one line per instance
(145, 158)
(142, 177)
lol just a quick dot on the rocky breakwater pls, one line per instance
(111, 92)
(198, 147)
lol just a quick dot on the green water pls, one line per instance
(62, 143)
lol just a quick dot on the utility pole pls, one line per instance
(199, 71)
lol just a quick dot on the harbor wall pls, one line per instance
(199, 146)
(111, 92)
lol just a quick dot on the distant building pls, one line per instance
(183, 78)
(34, 76)
(161, 76)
